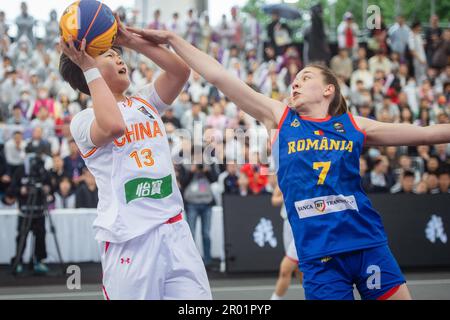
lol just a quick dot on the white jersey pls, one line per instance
(136, 182)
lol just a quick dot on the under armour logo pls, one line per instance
(123, 261)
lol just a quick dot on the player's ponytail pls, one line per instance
(338, 105)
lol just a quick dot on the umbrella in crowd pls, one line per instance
(284, 10)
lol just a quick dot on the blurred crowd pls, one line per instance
(400, 74)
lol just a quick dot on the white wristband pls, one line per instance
(92, 74)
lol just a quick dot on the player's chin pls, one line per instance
(295, 104)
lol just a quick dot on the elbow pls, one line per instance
(185, 72)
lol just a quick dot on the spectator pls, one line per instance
(175, 25)
(74, 164)
(347, 32)
(206, 34)
(441, 151)
(380, 62)
(378, 180)
(444, 181)
(25, 23)
(10, 89)
(237, 28)
(399, 36)
(181, 105)
(193, 117)
(44, 121)
(43, 100)
(279, 34)
(255, 172)
(432, 37)
(156, 24)
(342, 65)
(432, 183)
(192, 29)
(169, 117)
(51, 29)
(86, 194)
(362, 74)
(199, 199)
(441, 53)
(244, 189)
(406, 182)
(57, 171)
(64, 196)
(416, 47)
(15, 152)
(17, 120)
(432, 165)
(217, 119)
(228, 179)
(3, 25)
(421, 188)
(38, 144)
(316, 48)
(388, 107)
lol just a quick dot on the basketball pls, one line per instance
(90, 20)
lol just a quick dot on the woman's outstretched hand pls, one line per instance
(154, 36)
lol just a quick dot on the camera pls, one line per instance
(34, 168)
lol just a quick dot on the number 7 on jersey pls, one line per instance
(325, 168)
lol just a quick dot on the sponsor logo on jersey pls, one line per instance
(148, 188)
(320, 205)
(295, 123)
(339, 127)
(145, 112)
(319, 144)
(323, 205)
(326, 259)
(139, 131)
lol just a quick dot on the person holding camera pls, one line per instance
(31, 185)
(199, 199)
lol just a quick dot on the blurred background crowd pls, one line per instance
(400, 74)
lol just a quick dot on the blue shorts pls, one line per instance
(373, 271)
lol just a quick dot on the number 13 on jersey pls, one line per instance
(325, 168)
(143, 157)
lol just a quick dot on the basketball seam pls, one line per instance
(92, 22)
(93, 40)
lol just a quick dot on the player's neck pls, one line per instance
(316, 111)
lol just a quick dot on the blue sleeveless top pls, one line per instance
(317, 163)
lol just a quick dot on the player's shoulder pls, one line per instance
(88, 112)
(80, 120)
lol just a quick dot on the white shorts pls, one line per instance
(291, 252)
(161, 264)
(288, 241)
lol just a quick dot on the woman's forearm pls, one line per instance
(107, 113)
(202, 63)
(163, 57)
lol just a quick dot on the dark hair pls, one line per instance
(443, 171)
(338, 106)
(408, 173)
(72, 73)
(415, 24)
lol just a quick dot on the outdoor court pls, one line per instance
(424, 285)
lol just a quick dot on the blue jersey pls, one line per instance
(317, 162)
